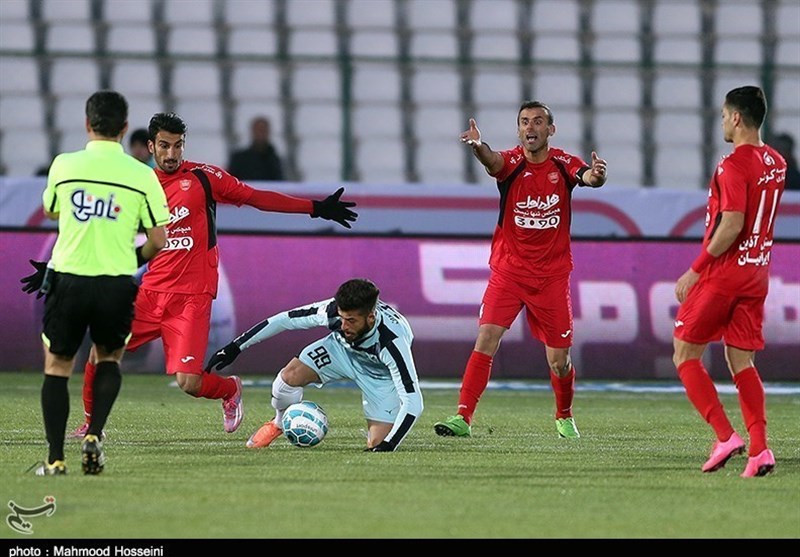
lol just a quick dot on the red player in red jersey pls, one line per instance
(722, 294)
(174, 299)
(531, 259)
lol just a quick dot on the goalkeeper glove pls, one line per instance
(382, 447)
(33, 283)
(331, 208)
(224, 357)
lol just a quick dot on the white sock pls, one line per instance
(283, 396)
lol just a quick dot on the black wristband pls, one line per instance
(140, 260)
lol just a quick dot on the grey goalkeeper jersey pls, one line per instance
(388, 345)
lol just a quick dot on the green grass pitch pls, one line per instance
(173, 473)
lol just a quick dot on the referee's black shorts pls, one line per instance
(104, 304)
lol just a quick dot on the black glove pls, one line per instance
(224, 357)
(331, 208)
(140, 260)
(382, 447)
(33, 283)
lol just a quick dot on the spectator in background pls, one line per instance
(138, 148)
(784, 144)
(259, 161)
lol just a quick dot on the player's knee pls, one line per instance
(560, 364)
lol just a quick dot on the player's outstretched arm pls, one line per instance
(492, 160)
(332, 208)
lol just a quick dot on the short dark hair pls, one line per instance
(107, 112)
(536, 104)
(357, 295)
(166, 121)
(750, 102)
(139, 136)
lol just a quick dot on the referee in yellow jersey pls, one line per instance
(99, 196)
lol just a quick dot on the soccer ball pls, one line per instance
(305, 424)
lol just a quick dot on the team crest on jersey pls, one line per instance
(185, 184)
(553, 177)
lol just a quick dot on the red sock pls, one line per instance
(476, 377)
(564, 389)
(88, 381)
(215, 386)
(703, 395)
(754, 408)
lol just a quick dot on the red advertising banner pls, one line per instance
(622, 294)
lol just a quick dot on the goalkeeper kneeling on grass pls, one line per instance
(369, 344)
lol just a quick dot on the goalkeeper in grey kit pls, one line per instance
(369, 344)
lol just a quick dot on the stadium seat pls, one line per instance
(376, 82)
(371, 42)
(616, 48)
(252, 81)
(140, 109)
(377, 121)
(25, 72)
(624, 161)
(72, 139)
(16, 35)
(127, 12)
(676, 90)
(131, 38)
(189, 13)
(615, 17)
(788, 52)
(246, 13)
(680, 167)
(676, 18)
(618, 126)
(206, 147)
(497, 124)
(679, 127)
(316, 82)
(196, 80)
(74, 76)
(555, 16)
(564, 48)
(786, 18)
(430, 44)
(201, 115)
(569, 126)
(193, 41)
(140, 77)
(494, 27)
(14, 10)
(310, 13)
(424, 14)
(380, 161)
(738, 50)
(441, 161)
(785, 96)
(70, 37)
(559, 87)
(257, 41)
(435, 122)
(371, 14)
(436, 84)
(21, 111)
(617, 88)
(728, 80)
(70, 113)
(319, 119)
(739, 18)
(320, 159)
(496, 87)
(681, 50)
(24, 162)
(317, 42)
(59, 10)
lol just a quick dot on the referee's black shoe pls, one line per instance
(93, 458)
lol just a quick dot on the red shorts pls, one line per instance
(547, 304)
(707, 316)
(181, 320)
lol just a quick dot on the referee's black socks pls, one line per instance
(55, 410)
(107, 382)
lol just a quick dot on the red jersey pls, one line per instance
(531, 239)
(188, 263)
(750, 180)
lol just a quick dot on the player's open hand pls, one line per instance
(33, 283)
(224, 356)
(331, 208)
(472, 136)
(599, 170)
